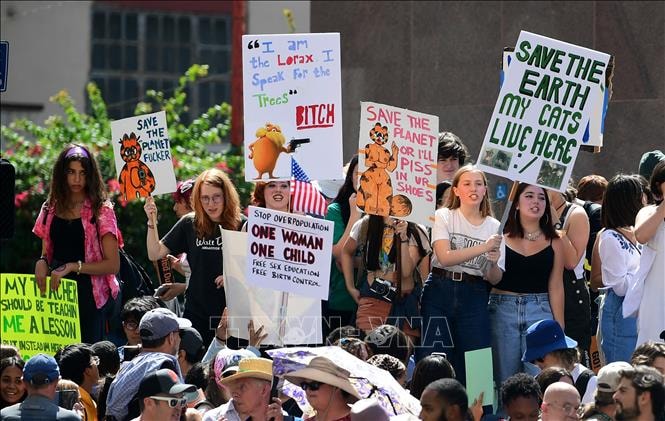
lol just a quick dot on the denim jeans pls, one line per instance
(454, 320)
(618, 335)
(511, 316)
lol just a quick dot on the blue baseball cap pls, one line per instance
(159, 322)
(543, 337)
(41, 369)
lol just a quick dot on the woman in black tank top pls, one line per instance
(527, 279)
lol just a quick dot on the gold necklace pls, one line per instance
(533, 236)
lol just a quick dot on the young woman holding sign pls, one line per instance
(530, 271)
(216, 206)
(80, 238)
(454, 300)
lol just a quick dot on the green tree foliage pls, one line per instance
(33, 149)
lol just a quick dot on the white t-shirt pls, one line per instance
(451, 225)
(620, 261)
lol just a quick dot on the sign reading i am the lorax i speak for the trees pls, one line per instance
(143, 159)
(542, 112)
(292, 99)
(397, 153)
(288, 252)
(35, 323)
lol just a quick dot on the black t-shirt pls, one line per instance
(206, 262)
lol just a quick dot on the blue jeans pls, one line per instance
(454, 320)
(511, 316)
(618, 335)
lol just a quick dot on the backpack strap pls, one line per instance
(583, 380)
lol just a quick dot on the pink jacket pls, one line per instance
(103, 286)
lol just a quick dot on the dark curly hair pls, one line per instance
(520, 385)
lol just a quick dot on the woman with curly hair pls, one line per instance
(216, 206)
(80, 238)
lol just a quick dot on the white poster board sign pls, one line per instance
(142, 153)
(288, 252)
(541, 114)
(397, 162)
(292, 95)
(299, 322)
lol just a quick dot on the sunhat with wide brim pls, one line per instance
(255, 368)
(322, 370)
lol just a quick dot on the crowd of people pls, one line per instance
(570, 276)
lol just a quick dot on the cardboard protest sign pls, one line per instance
(36, 323)
(142, 153)
(288, 252)
(593, 135)
(397, 162)
(540, 118)
(286, 318)
(292, 98)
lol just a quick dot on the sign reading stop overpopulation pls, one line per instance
(542, 112)
(38, 323)
(288, 252)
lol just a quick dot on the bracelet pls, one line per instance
(44, 259)
(78, 271)
(221, 340)
(151, 226)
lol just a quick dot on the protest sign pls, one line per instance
(397, 162)
(288, 252)
(592, 140)
(36, 323)
(286, 318)
(479, 375)
(292, 99)
(540, 117)
(142, 153)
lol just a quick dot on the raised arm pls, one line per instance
(648, 220)
(156, 249)
(575, 237)
(555, 283)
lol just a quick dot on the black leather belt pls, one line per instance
(456, 276)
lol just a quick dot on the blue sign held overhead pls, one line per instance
(4, 64)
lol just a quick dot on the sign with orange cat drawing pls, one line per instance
(397, 152)
(292, 99)
(142, 154)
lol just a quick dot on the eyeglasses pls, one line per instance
(94, 360)
(568, 409)
(130, 325)
(216, 199)
(173, 402)
(313, 386)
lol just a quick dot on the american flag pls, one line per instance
(305, 197)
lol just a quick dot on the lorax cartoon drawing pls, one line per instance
(265, 150)
(136, 179)
(375, 189)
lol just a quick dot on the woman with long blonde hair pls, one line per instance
(454, 300)
(216, 206)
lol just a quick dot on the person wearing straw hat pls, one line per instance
(250, 386)
(327, 388)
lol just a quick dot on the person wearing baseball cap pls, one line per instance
(40, 376)
(161, 396)
(547, 346)
(191, 349)
(160, 335)
(603, 408)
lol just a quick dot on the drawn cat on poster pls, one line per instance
(375, 190)
(136, 178)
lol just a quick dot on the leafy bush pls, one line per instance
(33, 149)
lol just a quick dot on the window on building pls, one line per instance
(136, 50)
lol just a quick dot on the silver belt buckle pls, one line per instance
(457, 276)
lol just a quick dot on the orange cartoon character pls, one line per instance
(376, 190)
(136, 179)
(265, 150)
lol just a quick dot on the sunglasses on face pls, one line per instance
(173, 402)
(313, 386)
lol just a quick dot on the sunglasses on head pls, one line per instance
(173, 402)
(313, 386)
